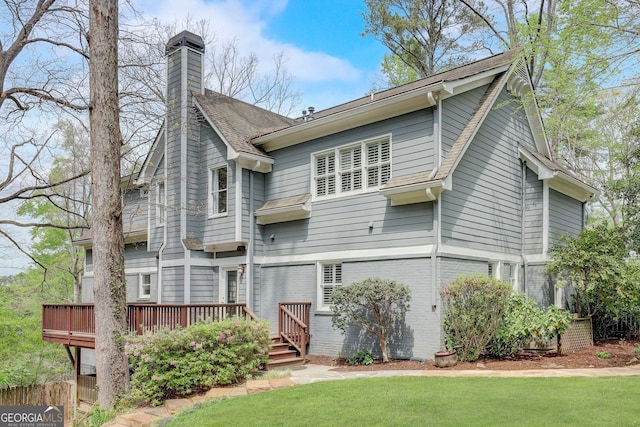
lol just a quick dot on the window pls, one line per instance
(218, 191)
(330, 276)
(144, 286)
(161, 200)
(353, 168)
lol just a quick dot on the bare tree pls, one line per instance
(108, 243)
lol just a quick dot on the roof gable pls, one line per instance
(236, 122)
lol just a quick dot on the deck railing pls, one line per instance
(74, 324)
(293, 324)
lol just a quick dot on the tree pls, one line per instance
(375, 305)
(428, 36)
(108, 244)
(26, 359)
(602, 277)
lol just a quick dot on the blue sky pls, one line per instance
(321, 40)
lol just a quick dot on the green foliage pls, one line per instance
(597, 266)
(427, 36)
(361, 357)
(26, 359)
(603, 355)
(96, 417)
(374, 305)
(474, 309)
(524, 321)
(174, 363)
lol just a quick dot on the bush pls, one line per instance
(474, 308)
(175, 363)
(524, 321)
(361, 357)
(603, 277)
(375, 305)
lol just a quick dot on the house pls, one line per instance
(448, 175)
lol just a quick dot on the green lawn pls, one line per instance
(432, 401)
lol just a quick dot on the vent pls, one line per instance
(185, 39)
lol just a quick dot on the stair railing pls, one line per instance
(293, 324)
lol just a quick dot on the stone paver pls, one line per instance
(143, 417)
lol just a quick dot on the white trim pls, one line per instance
(223, 285)
(545, 217)
(336, 151)
(141, 296)
(161, 203)
(320, 306)
(210, 189)
(370, 112)
(476, 254)
(349, 255)
(238, 201)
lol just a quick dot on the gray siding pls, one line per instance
(219, 229)
(456, 113)
(538, 285)
(156, 232)
(483, 210)
(134, 209)
(343, 224)
(204, 286)
(411, 145)
(565, 215)
(533, 213)
(173, 285)
(417, 336)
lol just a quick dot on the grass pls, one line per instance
(418, 401)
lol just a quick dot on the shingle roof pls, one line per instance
(284, 202)
(470, 129)
(239, 121)
(457, 73)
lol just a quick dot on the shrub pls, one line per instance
(474, 308)
(374, 305)
(361, 357)
(175, 363)
(524, 321)
(603, 354)
(603, 277)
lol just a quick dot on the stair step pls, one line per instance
(279, 346)
(284, 354)
(275, 364)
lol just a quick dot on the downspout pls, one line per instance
(251, 248)
(437, 146)
(523, 194)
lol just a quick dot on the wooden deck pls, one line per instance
(74, 324)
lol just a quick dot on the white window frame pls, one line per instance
(161, 203)
(498, 269)
(141, 284)
(355, 168)
(336, 281)
(214, 192)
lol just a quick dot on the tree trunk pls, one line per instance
(108, 245)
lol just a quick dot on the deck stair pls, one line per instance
(281, 354)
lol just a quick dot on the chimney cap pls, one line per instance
(185, 38)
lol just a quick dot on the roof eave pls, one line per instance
(372, 112)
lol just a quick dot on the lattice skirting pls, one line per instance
(578, 336)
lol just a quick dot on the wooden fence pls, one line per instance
(51, 394)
